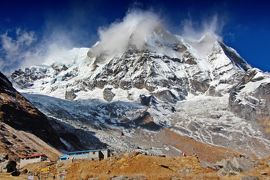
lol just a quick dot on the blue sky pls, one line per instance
(244, 25)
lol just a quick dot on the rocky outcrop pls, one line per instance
(108, 95)
(251, 97)
(234, 166)
(166, 96)
(70, 95)
(263, 94)
(198, 86)
(148, 100)
(25, 78)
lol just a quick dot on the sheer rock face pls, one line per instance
(263, 93)
(250, 98)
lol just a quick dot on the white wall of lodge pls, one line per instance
(105, 153)
(25, 161)
(91, 155)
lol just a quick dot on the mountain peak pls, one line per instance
(167, 66)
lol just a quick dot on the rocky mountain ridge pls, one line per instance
(138, 72)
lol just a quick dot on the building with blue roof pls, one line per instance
(86, 154)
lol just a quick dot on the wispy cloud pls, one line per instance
(138, 25)
(15, 48)
(14, 45)
(194, 30)
(133, 29)
(21, 48)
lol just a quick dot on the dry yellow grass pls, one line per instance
(138, 165)
(7, 176)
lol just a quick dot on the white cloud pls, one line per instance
(203, 35)
(25, 38)
(15, 48)
(12, 46)
(8, 44)
(1, 62)
(137, 26)
(133, 29)
(213, 26)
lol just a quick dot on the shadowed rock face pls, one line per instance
(234, 57)
(5, 85)
(20, 114)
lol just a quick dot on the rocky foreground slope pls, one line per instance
(25, 130)
(23, 127)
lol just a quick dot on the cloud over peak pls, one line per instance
(133, 29)
(138, 26)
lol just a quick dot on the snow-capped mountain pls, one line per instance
(168, 67)
(163, 80)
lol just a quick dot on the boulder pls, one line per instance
(249, 178)
(70, 95)
(108, 95)
(234, 166)
(11, 166)
(128, 178)
(148, 100)
(166, 96)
